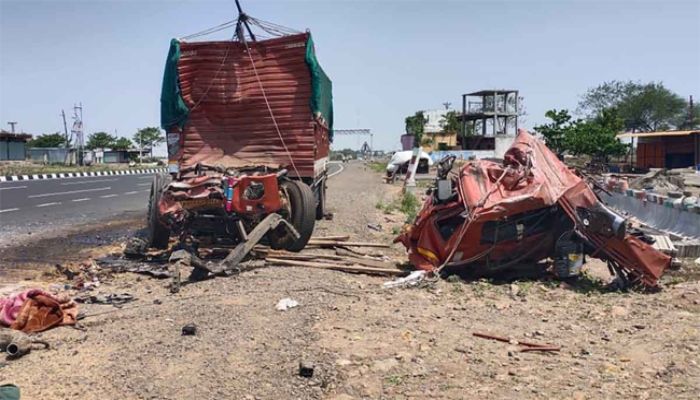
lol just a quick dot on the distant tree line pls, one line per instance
(611, 108)
(148, 137)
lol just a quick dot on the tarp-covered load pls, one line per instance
(215, 97)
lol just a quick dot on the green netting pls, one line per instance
(321, 88)
(173, 110)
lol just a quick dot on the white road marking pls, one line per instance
(144, 184)
(109, 195)
(94, 180)
(14, 187)
(70, 192)
(83, 199)
(337, 172)
(134, 192)
(9, 209)
(48, 204)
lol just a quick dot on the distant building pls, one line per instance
(489, 120)
(434, 138)
(670, 149)
(13, 146)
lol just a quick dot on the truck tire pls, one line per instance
(157, 234)
(301, 213)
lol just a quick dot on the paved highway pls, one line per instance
(36, 205)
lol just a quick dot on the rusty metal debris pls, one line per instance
(493, 216)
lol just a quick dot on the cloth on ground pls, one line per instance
(35, 310)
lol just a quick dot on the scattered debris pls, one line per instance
(528, 346)
(189, 330)
(116, 300)
(375, 227)
(286, 303)
(306, 369)
(413, 279)
(16, 344)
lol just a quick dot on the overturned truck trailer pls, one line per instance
(491, 217)
(249, 123)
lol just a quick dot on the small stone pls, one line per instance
(306, 369)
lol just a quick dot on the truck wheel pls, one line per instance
(300, 212)
(157, 233)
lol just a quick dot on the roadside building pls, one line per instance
(670, 149)
(13, 146)
(434, 138)
(123, 156)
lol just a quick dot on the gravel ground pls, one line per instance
(366, 342)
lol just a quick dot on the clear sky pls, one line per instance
(387, 59)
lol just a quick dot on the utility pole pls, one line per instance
(12, 125)
(65, 128)
(78, 131)
(447, 105)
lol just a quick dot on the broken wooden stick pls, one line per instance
(337, 267)
(529, 346)
(335, 238)
(333, 243)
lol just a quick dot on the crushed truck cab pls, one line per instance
(532, 207)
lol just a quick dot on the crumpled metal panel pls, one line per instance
(229, 123)
(530, 179)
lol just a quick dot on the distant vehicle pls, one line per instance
(399, 163)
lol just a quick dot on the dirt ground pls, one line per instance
(367, 342)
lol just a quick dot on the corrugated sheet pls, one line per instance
(229, 123)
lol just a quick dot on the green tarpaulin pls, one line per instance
(321, 88)
(173, 110)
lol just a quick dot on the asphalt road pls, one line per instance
(35, 207)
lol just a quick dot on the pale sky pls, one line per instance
(387, 59)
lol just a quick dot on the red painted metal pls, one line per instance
(229, 123)
(531, 178)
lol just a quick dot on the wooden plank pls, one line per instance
(337, 267)
(332, 238)
(347, 244)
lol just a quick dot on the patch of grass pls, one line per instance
(394, 380)
(409, 206)
(377, 166)
(396, 230)
(26, 168)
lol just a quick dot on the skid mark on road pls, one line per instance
(69, 192)
(48, 204)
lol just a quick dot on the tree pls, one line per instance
(100, 140)
(149, 137)
(48, 140)
(642, 107)
(596, 137)
(555, 132)
(450, 122)
(122, 144)
(415, 125)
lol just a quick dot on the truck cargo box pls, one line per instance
(234, 104)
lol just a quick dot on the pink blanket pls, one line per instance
(10, 306)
